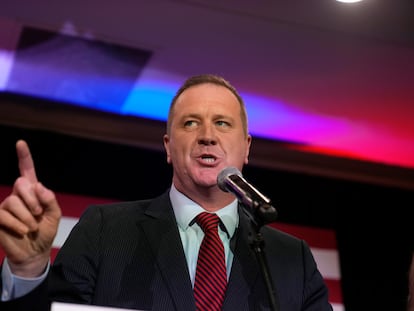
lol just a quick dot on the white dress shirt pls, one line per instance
(185, 211)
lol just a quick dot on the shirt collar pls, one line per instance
(185, 210)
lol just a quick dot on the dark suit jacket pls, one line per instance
(130, 255)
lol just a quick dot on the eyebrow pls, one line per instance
(191, 115)
(199, 116)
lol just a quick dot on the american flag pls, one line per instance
(322, 241)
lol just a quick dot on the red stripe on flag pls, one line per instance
(53, 254)
(74, 205)
(335, 290)
(315, 237)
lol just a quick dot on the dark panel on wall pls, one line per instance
(67, 68)
(69, 164)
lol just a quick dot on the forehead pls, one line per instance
(207, 96)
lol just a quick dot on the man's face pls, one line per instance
(206, 136)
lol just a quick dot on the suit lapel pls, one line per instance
(244, 271)
(163, 236)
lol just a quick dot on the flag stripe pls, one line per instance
(316, 237)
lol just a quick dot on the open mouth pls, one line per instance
(208, 159)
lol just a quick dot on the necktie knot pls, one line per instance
(208, 222)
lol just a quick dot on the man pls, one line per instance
(143, 254)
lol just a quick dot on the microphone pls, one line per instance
(231, 180)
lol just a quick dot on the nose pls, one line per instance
(207, 135)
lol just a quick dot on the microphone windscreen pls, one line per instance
(224, 174)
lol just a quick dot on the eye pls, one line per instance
(222, 123)
(190, 123)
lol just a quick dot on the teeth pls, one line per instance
(209, 160)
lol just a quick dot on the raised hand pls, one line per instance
(29, 219)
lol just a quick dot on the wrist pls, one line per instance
(32, 268)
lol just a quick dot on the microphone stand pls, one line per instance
(262, 214)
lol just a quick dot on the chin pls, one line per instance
(207, 181)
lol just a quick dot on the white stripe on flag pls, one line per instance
(338, 307)
(65, 226)
(328, 262)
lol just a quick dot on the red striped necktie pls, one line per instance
(211, 278)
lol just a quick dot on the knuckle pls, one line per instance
(21, 185)
(9, 202)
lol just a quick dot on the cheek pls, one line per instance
(176, 155)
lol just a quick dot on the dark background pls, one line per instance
(372, 222)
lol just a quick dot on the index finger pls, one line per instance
(26, 165)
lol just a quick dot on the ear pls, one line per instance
(166, 140)
(248, 144)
